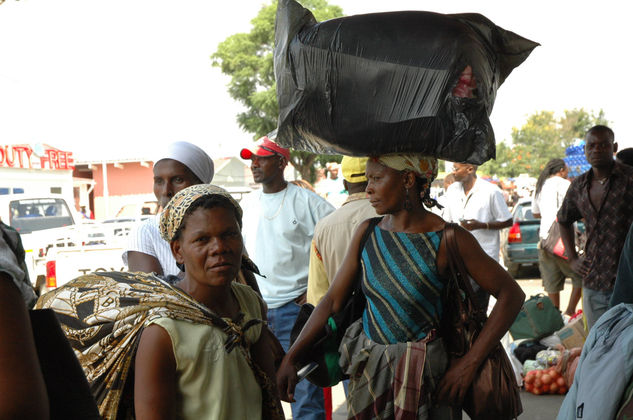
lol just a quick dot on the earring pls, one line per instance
(407, 202)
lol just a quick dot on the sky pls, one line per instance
(117, 79)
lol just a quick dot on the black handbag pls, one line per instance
(494, 393)
(554, 243)
(324, 352)
(69, 394)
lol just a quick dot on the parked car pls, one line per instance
(45, 223)
(519, 242)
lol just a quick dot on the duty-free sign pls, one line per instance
(25, 157)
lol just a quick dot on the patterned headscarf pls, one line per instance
(174, 212)
(423, 166)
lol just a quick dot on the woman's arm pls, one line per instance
(333, 301)
(22, 389)
(495, 280)
(155, 376)
(139, 261)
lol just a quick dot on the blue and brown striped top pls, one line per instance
(402, 285)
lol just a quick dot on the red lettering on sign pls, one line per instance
(10, 162)
(20, 156)
(27, 151)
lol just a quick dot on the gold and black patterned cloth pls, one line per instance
(102, 317)
(174, 212)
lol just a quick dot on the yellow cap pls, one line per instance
(353, 169)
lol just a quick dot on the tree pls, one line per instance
(248, 59)
(541, 138)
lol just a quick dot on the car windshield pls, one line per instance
(523, 212)
(30, 215)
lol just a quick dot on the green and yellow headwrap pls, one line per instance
(423, 166)
(174, 212)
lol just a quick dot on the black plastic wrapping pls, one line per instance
(386, 82)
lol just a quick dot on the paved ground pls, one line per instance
(541, 407)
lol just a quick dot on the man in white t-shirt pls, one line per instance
(279, 223)
(478, 206)
(549, 194)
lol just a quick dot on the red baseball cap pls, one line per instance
(265, 147)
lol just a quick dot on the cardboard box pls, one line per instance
(573, 334)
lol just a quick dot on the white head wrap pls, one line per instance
(190, 155)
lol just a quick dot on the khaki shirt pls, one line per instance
(332, 236)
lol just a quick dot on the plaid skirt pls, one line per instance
(393, 381)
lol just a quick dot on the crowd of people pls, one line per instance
(199, 327)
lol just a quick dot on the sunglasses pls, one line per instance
(271, 151)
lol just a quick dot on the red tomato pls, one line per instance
(561, 382)
(562, 390)
(537, 382)
(545, 389)
(537, 391)
(546, 379)
(529, 379)
(553, 388)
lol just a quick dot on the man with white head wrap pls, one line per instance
(178, 166)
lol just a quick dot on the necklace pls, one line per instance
(278, 209)
(602, 181)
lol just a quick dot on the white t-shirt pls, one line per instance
(484, 203)
(146, 239)
(549, 201)
(278, 230)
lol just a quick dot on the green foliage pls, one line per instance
(248, 59)
(541, 138)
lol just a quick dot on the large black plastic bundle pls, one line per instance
(391, 82)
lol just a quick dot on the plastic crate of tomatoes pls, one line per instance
(545, 381)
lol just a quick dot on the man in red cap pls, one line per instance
(279, 223)
(266, 148)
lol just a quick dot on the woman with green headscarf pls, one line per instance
(197, 350)
(398, 366)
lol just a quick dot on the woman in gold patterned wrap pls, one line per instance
(200, 349)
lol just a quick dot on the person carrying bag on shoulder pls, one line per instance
(553, 259)
(396, 348)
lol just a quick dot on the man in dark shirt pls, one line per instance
(603, 197)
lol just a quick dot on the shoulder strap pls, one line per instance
(370, 227)
(372, 224)
(456, 264)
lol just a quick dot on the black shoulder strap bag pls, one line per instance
(322, 361)
(69, 395)
(494, 393)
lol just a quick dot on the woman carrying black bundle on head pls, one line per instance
(395, 358)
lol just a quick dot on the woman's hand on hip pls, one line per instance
(456, 381)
